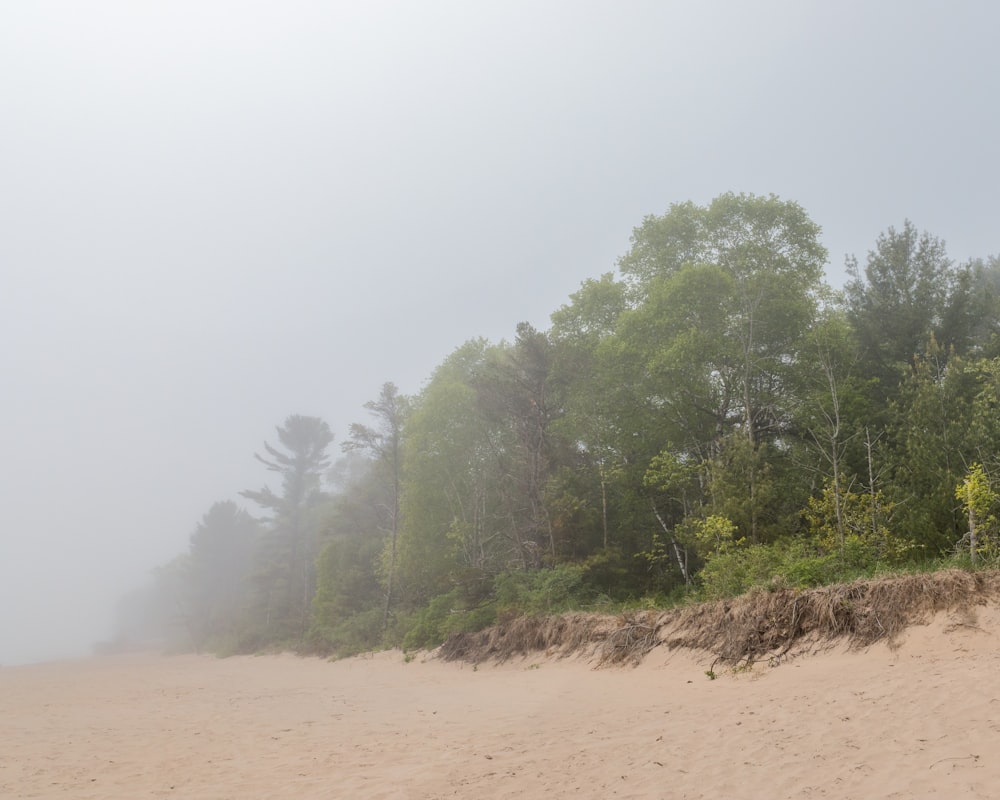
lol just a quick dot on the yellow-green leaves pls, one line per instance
(977, 497)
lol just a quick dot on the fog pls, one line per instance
(217, 214)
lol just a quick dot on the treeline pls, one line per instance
(711, 417)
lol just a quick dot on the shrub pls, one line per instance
(353, 634)
(545, 591)
(444, 615)
(731, 573)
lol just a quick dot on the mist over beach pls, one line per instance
(219, 215)
(499, 400)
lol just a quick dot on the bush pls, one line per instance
(354, 634)
(444, 615)
(732, 573)
(545, 591)
(796, 563)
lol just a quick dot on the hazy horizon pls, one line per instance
(215, 215)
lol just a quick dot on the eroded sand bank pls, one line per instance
(919, 721)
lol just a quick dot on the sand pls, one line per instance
(922, 720)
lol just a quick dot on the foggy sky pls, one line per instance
(217, 214)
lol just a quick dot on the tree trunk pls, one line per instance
(678, 552)
(604, 508)
(972, 534)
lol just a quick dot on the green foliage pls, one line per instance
(711, 417)
(217, 590)
(741, 232)
(347, 585)
(716, 535)
(756, 487)
(970, 318)
(450, 515)
(793, 562)
(592, 312)
(383, 444)
(671, 474)
(606, 574)
(659, 557)
(543, 591)
(731, 573)
(976, 493)
(284, 578)
(201, 599)
(897, 301)
(934, 435)
(349, 635)
(445, 615)
(863, 536)
(979, 499)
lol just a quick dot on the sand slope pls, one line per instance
(920, 721)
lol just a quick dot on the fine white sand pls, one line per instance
(919, 721)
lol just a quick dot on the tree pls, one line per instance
(596, 394)
(971, 322)
(984, 432)
(220, 562)
(350, 593)
(384, 444)
(747, 235)
(977, 497)
(451, 524)
(675, 480)
(826, 382)
(724, 296)
(931, 443)
(854, 525)
(899, 300)
(734, 294)
(286, 572)
(513, 393)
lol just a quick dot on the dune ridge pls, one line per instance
(772, 622)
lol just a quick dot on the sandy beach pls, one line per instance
(920, 720)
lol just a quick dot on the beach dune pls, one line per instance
(918, 720)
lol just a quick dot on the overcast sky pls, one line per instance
(217, 214)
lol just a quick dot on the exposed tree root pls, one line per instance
(763, 623)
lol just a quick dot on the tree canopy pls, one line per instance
(711, 417)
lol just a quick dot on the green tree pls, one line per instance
(747, 235)
(384, 443)
(898, 301)
(673, 485)
(977, 497)
(220, 563)
(724, 297)
(348, 607)
(930, 445)
(736, 299)
(451, 523)
(514, 396)
(591, 407)
(286, 565)
(984, 431)
(856, 526)
(971, 322)
(831, 407)
(350, 599)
